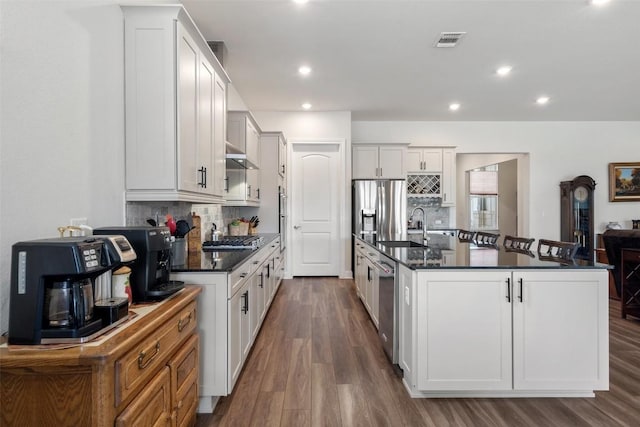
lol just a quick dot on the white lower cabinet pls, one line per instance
(232, 308)
(504, 333)
(367, 280)
(465, 331)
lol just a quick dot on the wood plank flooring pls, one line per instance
(318, 361)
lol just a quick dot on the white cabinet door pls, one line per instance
(256, 301)
(414, 160)
(282, 157)
(188, 66)
(237, 317)
(206, 99)
(365, 162)
(448, 181)
(560, 329)
(425, 160)
(405, 328)
(432, 159)
(219, 136)
(391, 161)
(464, 338)
(253, 143)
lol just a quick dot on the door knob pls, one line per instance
(297, 226)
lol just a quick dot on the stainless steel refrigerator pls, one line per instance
(380, 208)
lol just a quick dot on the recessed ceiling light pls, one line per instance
(454, 106)
(599, 2)
(304, 70)
(300, 1)
(306, 106)
(504, 70)
(542, 100)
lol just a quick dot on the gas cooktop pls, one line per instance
(233, 243)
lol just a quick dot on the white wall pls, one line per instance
(61, 121)
(559, 151)
(312, 126)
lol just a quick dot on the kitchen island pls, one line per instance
(481, 321)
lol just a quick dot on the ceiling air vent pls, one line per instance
(449, 39)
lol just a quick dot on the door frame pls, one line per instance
(344, 203)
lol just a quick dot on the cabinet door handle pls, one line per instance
(258, 192)
(521, 296)
(204, 177)
(261, 280)
(182, 323)
(508, 289)
(202, 172)
(142, 363)
(226, 184)
(248, 190)
(282, 169)
(245, 306)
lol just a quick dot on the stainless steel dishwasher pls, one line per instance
(388, 307)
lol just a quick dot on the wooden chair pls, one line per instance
(562, 252)
(486, 239)
(517, 243)
(465, 235)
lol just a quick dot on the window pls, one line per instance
(483, 198)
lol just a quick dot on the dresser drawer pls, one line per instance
(135, 368)
(239, 275)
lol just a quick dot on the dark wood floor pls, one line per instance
(317, 361)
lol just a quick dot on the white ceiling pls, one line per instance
(376, 58)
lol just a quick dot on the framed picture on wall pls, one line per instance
(624, 182)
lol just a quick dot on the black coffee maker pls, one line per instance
(52, 289)
(150, 272)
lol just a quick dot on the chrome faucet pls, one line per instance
(424, 222)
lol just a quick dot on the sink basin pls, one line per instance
(402, 244)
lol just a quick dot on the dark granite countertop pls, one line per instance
(448, 252)
(222, 261)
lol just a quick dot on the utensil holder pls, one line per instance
(178, 251)
(241, 229)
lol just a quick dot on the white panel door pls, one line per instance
(315, 197)
(560, 330)
(464, 338)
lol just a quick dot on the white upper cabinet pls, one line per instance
(175, 108)
(448, 177)
(243, 133)
(423, 160)
(378, 162)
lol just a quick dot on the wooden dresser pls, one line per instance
(142, 373)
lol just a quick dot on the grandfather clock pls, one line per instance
(576, 214)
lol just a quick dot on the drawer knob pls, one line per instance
(142, 363)
(182, 323)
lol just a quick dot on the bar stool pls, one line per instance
(517, 243)
(562, 252)
(486, 239)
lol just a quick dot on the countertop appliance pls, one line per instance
(379, 207)
(150, 272)
(52, 289)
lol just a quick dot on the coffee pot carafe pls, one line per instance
(68, 303)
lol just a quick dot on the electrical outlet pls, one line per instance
(438, 221)
(78, 221)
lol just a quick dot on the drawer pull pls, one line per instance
(184, 322)
(144, 363)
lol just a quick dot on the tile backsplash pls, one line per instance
(437, 216)
(138, 213)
